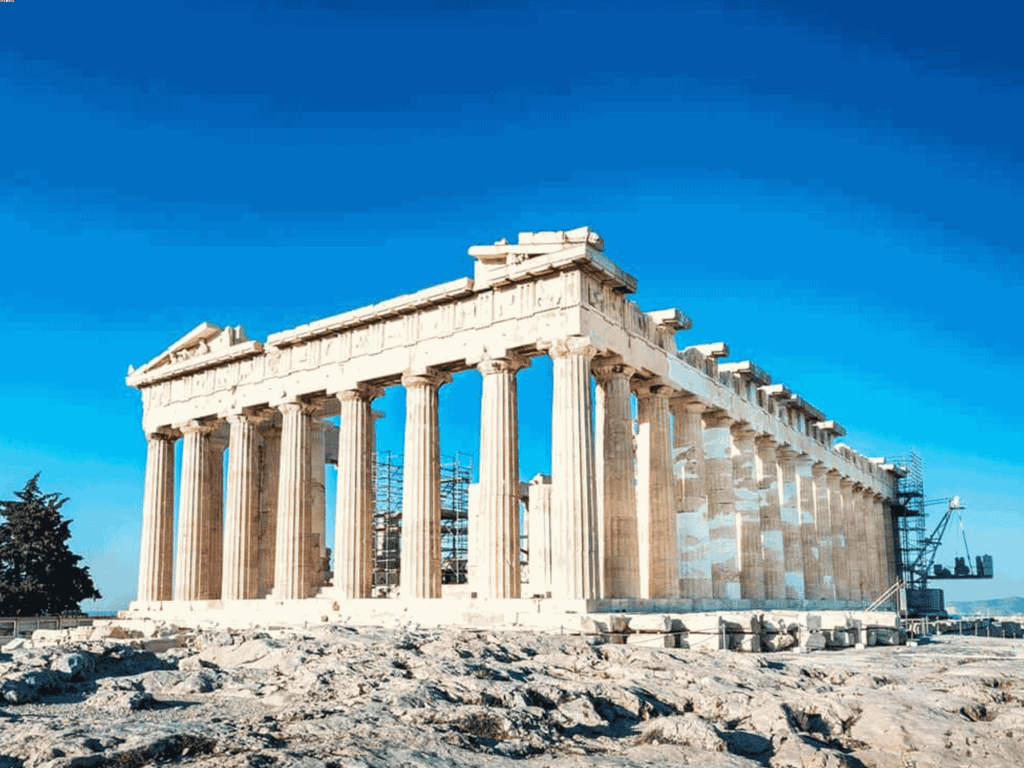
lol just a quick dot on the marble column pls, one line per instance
(877, 511)
(421, 487)
(851, 528)
(573, 482)
(810, 544)
(291, 562)
(156, 556)
(497, 570)
(748, 513)
(195, 459)
(618, 542)
(213, 515)
(270, 467)
(864, 530)
(691, 494)
(891, 571)
(353, 524)
(823, 524)
(318, 553)
(722, 528)
(241, 537)
(540, 543)
(773, 550)
(840, 554)
(656, 507)
(792, 537)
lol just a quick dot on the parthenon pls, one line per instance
(725, 490)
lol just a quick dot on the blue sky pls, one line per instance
(835, 192)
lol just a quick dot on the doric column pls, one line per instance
(823, 524)
(656, 508)
(772, 544)
(688, 449)
(156, 556)
(317, 490)
(748, 513)
(291, 566)
(241, 535)
(810, 543)
(618, 544)
(890, 544)
(879, 555)
(540, 543)
(497, 570)
(573, 486)
(840, 554)
(421, 487)
(270, 467)
(852, 533)
(195, 459)
(865, 542)
(213, 517)
(353, 524)
(725, 576)
(792, 537)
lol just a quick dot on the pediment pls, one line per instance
(206, 339)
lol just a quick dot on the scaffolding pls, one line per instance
(909, 519)
(456, 476)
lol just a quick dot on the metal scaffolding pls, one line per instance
(909, 514)
(456, 476)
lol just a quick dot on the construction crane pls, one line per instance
(925, 565)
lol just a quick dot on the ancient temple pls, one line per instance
(726, 490)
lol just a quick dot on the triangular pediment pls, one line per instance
(204, 339)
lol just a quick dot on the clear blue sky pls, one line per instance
(835, 192)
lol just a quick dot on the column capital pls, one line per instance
(362, 391)
(766, 442)
(605, 368)
(256, 418)
(197, 427)
(786, 452)
(688, 403)
(846, 483)
(507, 363)
(169, 434)
(296, 406)
(649, 389)
(716, 419)
(571, 345)
(819, 469)
(741, 430)
(425, 377)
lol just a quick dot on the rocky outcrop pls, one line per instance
(340, 696)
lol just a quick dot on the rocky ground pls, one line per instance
(383, 697)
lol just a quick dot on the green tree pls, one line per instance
(39, 574)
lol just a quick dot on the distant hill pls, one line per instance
(999, 606)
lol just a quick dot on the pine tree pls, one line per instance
(39, 574)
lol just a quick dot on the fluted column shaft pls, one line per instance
(851, 527)
(865, 544)
(889, 544)
(353, 525)
(195, 458)
(810, 543)
(690, 472)
(270, 467)
(156, 554)
(656, 509)
(241, 536)
(792, 536)
(573, 484)
(421, 488)
(618, 542)
(497, 572)
(317, 490)
(213, 520)
(823, 525)
(725, 575)
(748, 514)
(840, 553)
(878, 553)
(540, 541)
(772, 543)
(291, 562)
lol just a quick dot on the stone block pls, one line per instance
(618, 622)
(650, 622)
(652, 640)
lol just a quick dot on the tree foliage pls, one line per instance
(39, 574)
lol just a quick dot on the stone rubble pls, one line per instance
(336, 696)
